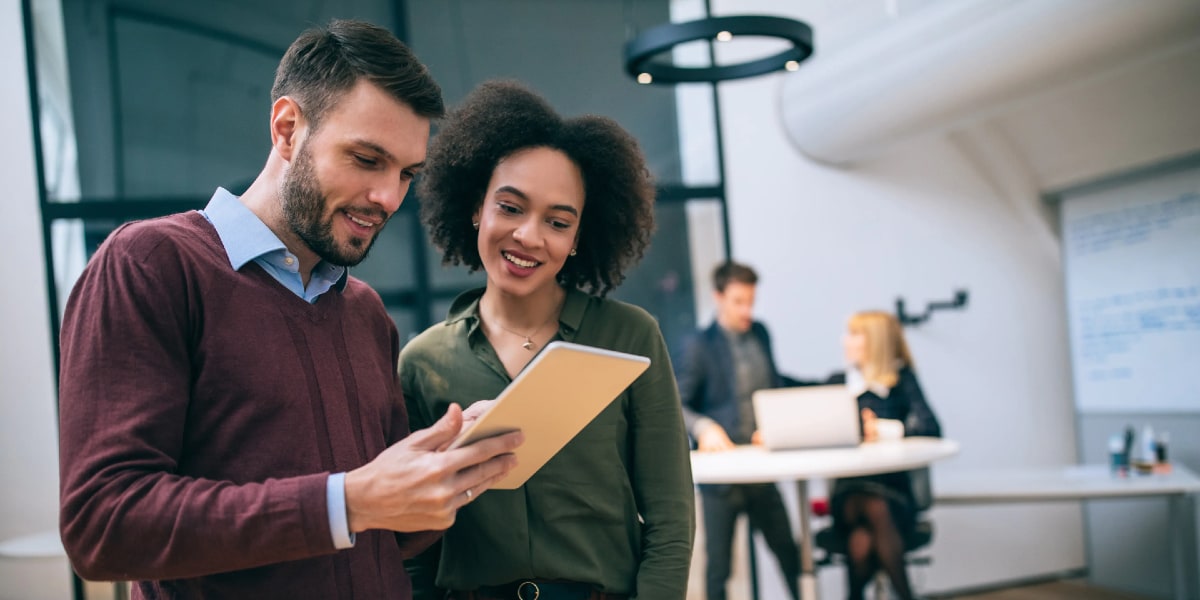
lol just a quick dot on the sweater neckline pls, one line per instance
(288, 300)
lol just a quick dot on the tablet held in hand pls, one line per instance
(552, 400)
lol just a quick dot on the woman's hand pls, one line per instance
(870, 430)
(474, 411)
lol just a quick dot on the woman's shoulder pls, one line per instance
(907, 387)
(906, 374)
(437, 339)
(619, 313)
(613, 324)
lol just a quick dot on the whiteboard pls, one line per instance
(1131, 256)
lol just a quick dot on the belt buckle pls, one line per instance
(522, 588)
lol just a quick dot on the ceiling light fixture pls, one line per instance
(641, 50)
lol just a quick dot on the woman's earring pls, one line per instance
(572, 252)
(475, 224)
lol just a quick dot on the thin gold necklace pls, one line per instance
(529, 344)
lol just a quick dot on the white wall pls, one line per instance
(28, 436)
(920, 224)
(958, 209)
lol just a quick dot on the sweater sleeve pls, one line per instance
(662, 475)
(126, 373)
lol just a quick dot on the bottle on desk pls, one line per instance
(1152, 453)
(1161, 464)
(1118, 457)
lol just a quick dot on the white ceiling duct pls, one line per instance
(957, 61)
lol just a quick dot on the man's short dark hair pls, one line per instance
(326, 62)
(733, 272)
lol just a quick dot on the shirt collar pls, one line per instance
(858, 385)
(245, 237)
(466, 306)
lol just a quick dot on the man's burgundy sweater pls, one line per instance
(201, 411)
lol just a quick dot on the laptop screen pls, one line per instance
(824, 416)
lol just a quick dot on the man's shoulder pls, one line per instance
(365, 305)
(148, 238)
(359, 290)
(708, 335)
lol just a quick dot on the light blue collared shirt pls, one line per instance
(246, 238)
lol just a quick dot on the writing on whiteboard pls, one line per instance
(1112, 326)
(1131, 258)
(1128, 226)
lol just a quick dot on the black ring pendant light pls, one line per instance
(641, 50)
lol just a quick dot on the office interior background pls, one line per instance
(927, 146)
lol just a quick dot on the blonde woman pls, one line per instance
(877, 512)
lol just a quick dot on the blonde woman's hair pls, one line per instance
(884, 348)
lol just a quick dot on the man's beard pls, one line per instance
(304, 207)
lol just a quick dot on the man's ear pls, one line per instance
(287, 126)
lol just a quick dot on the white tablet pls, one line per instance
(552, 400)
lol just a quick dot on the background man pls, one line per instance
(720, 369)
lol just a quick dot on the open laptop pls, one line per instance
(823, 416)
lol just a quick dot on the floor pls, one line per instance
(739, 583)
(1060, 590)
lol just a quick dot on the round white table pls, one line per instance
(752, 464)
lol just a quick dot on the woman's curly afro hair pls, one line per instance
(500, 118)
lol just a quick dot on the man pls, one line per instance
(231, 419)
(721, 367)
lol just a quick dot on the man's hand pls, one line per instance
(870, 431)
(713, 439)
(418, 485)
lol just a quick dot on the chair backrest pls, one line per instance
(922, 488)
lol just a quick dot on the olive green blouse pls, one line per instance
(613, 508)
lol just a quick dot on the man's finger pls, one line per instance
(484, 475)
(482, 450)
(439, 435)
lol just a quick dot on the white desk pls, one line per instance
(1084, 482)
(750, 464)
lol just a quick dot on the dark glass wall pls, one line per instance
(148, 106)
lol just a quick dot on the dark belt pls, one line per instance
(537, 590)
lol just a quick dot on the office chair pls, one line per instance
(833, 543)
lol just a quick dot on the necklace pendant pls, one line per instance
(528, 345)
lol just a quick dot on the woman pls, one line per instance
(878, 512)
(553, 210)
